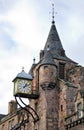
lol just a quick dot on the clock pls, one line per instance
(22, 84)
(22, 87)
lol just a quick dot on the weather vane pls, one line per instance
(53, 12)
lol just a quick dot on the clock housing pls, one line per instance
(22, 85)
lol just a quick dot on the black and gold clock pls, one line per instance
(22, 84)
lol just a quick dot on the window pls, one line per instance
(36, 105)
(11, 124)
(79, 106)
(61, 70)
(61, 107)
(45, 67)
(80, 114)
(3, 127)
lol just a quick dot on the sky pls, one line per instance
(24, 27)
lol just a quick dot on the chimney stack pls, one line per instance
(12, 107)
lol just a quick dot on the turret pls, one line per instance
(47, 71)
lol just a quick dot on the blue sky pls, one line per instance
(24, 27)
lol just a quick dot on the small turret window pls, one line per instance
(61, 107)
(45, 67)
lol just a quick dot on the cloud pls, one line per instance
(6, 41)
(6, 5)
(18, 40)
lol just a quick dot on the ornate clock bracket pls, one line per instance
(27, 108)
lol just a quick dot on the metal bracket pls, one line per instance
(29, 110)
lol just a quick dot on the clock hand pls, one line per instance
(25, 85)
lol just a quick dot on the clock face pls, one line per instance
(24, 86)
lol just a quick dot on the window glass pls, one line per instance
(61, 107)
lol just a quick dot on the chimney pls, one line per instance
(12, 107)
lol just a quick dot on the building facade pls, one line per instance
(15, 118)
(60, 84)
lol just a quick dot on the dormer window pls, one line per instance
(45, 67)
(41, 54)
(62, 52)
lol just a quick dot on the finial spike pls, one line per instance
(22, 68)
(53, 13)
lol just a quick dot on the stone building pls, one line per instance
(60, 84)
(14, 118)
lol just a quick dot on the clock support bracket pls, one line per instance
(30, 111)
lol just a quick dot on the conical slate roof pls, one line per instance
(53, 39)
(48, 59)
(53, 42)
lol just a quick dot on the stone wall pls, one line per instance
(76, 76)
